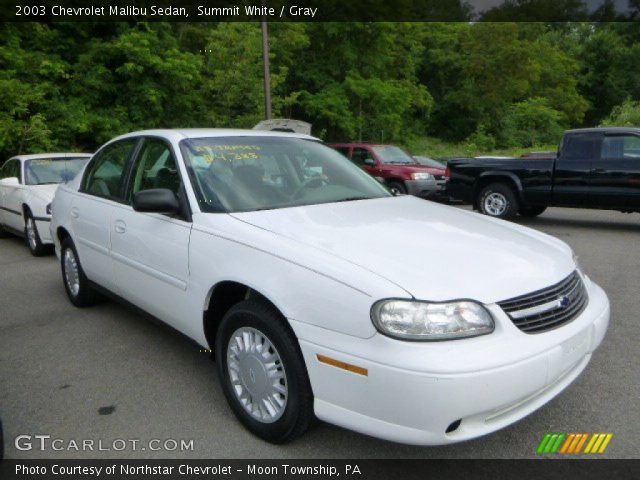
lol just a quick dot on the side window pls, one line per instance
(581, 147)
(620, 146)
(154, 168)
(10, 169)
(343, 150)
(5, 172)
(359, 155)
(104, 174)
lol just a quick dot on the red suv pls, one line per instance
(392, 166)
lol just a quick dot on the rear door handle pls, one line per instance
(119, 226)
(75, 213)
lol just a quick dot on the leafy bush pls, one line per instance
(627, 114)
(530, 123)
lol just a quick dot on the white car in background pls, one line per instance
(27, 186)
(322, 294)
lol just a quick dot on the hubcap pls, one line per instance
(31, 233)
(495, 203)
(257, 374)
(71, 273)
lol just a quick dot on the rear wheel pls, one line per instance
(397, 188)
(76, 282)
(527, 211)
(498, 200)
(262, 371)
(32, 237)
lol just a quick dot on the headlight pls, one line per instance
(49, 209)
(415, 320)
(420, 176)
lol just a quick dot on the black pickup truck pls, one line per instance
(594, 168)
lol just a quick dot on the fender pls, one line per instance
(498, 173)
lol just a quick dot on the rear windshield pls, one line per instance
(43, 171)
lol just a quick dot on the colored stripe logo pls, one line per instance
(574, 443)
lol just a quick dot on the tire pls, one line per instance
(292, 412)
(533, 211)
(32, 237)
(76, 282)
(397, 188)
(4, 233)
(498, 200)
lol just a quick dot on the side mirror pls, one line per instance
(156, 200)
(370, 161)
(11, 181)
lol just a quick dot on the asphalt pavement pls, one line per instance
(108, 374)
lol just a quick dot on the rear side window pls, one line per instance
(343, 150)
(104, 173)
(621, 146)
(583, 146)
(155, 168)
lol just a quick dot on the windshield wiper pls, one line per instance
(352, 199)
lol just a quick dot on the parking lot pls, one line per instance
(107, 373)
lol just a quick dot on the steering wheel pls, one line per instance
(315, 182)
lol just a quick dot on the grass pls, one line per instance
(435, 148)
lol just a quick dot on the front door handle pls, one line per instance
(74, 212)
(119, 226)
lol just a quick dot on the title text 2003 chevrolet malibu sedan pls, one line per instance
(321, 293)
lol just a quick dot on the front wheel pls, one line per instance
(498, 200)
(526, 211)
(36, 247)
(397, 188)
(262, 371)
(76, 282)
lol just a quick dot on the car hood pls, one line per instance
(432, 251)
(44, 192)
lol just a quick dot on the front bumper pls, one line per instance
(414, 391)
(422, 188)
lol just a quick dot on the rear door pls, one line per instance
(100, 193)
(572, 174)
(615, 176)
(150, 251)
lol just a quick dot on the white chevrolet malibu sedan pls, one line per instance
(27, 186)
(322, 294)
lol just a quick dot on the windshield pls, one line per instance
(239, 174)
(429, 162)
(393, 154)
(42, 171)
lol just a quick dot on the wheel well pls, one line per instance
(394, 179)
(62, 234)
(224, 296)
(484, 181)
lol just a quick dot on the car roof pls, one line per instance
(634, 130)
(184, 133)
(35, 156)
(361, 144)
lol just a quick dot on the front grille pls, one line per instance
(548, 308)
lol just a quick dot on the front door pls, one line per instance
(615, 176)
(13, 198)
(571, 179)
(151, 251)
